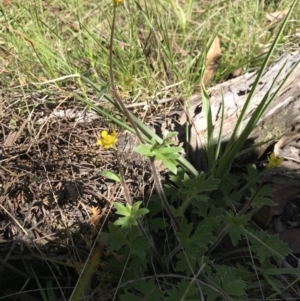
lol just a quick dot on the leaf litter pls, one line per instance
(53, 200)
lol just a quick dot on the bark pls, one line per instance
(280, 119)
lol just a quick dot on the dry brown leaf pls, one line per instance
(6, 2)
(237, 72)
(214, 51)
(281, 196)
(276, 16)
(177, 49)
(14, 135)
(213, 55)
(75, 26)
(292, 238)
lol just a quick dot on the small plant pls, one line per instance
(193, 251)
(130, 215)
(164, 151)
(193, 260)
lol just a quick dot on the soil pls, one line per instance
(53, 200)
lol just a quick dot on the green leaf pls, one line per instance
(223, 283)
(275, 283)
(186, 263)
(202, 237)
(136, 206)
(234, 199)
(130, 215)
(251, 172)
(164, 152)
(141, 212)
(235, 234)
(199, 239)
(115, 265)
(279, 249)
(115, 239)
(185, 231)
(266, 246)
(138, 212)
(148, 291)
(163, 157)
(171, 165)
(110, 175)
(196, 189)
(229, 183)
(158, 223)
(184, 291)
(126, 222)
(144, 150)
(231, 284)
(138, 266)
(213, 292)
(260, 197)
(235, 226)
(211, 215)
(173, 193)
(155, 205)
(171, 150)
(199, 184)
(138, 244)
(178, 178)
(122, 210)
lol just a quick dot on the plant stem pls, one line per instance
(127, 196)
(117, 96)
(129, 201)
(112, 80)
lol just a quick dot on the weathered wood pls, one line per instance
(280, 117)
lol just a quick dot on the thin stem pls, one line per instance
(113, 86)
(127, 196)
(127, 114)
(129, 201)
(162, 195)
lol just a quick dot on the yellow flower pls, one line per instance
(273, 161)
(108, 140)
(118, 2)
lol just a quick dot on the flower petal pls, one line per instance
(104, 134)
(273, 161)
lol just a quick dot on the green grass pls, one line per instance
(158, 44)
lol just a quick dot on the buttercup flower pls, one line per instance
(118, 2)
(273, 161)
(108, 140)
